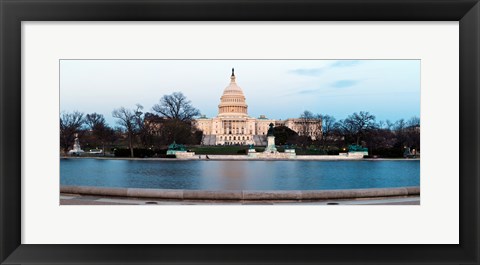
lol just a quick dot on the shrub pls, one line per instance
(387, 153)
(138, 152)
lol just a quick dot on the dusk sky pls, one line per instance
(279, 89)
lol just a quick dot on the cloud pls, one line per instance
(304, 91)
(344, 83)
(345, 63)
(308, 91)
(318, 71)
(337, 84)
(307, 71)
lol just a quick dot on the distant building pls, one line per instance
(233, 126)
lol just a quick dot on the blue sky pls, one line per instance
(279, 89)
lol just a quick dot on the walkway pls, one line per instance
(73, 199)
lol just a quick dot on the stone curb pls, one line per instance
(272, 195)
(87, 190)
(241, 194)
(211, 195)
(155, 193)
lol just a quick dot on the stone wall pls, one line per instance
(307, 195)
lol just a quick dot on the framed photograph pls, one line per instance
(180, 149)
(239, 132)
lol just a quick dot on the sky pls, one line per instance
(278, 89)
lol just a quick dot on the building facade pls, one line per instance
(233, 125)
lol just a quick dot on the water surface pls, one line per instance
(240, 175)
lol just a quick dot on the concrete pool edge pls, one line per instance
(242, 195)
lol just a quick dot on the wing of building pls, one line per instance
(233, 126)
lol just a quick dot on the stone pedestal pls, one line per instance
(184, 154)
(271, 145)
(357, 154)
(271, 151)
(181, 153)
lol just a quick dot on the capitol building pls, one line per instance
(233, 126)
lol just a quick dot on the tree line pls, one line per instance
(172, 119)
(383, 138)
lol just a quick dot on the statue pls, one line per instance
(179, 150)
(270, 130)
(176, 147)
(76, 147)
(409, 153)
(270, 141)
(357, 148)
(357, 151)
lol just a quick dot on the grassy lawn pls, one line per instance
(219, 150)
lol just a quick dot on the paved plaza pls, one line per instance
(74, 199)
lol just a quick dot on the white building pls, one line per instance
(233, 126)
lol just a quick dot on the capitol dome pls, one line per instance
(232, 102)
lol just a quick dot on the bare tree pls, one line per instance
(408, 133)
(94, 120)
(399, 126)
(306, 119)
(176, 113)
(413, 132)
(149, 129)
(358, 124)
(70, 123)
(316, 127)
(414, 122)
(176, 106)
(99, 129)
(328, 127)
(389, 125)
(381, 125)
(128, 119)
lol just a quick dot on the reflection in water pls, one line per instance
(240, 175)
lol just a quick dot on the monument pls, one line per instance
(271, 151)
(357, 151)
(179, 151)
(251, 149)
(76, 147)
(271, 148)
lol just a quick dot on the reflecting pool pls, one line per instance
(240, 175)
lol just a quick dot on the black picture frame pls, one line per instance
(13, 12)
